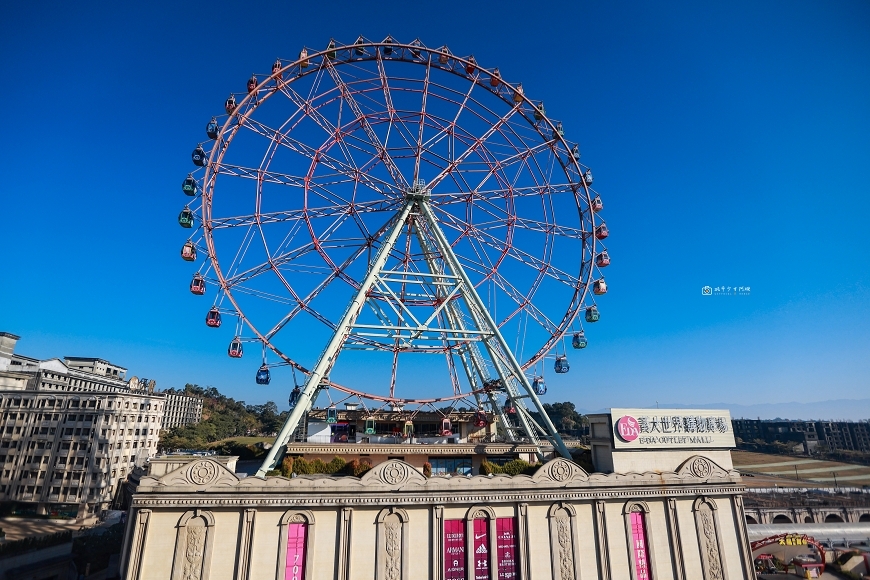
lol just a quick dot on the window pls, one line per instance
(445, 465)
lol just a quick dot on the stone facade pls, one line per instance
(202, 522)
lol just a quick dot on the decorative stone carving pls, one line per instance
(562, 541)
(698, 466)
(560, 470)
(393, 472)
(193, 553)
(297, 519)
(701, 467)
(392, 552)
(707, 527)
(202, 472)
(566, 550)
(711, 546)
(393, 547)
(480, 515)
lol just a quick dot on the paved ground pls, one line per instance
(17, 528)
(798, 471)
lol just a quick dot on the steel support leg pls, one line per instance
(477, 308)
(333, 348)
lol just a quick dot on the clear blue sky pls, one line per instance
(731, 144)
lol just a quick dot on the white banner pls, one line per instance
(672, 428)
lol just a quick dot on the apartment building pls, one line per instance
(181, 410)
(72, 430)
(833, 435)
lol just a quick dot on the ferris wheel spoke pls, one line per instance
(304, 303)
(419, 152)
(524, 304)
(296, 215)
(322, 158)
(347, 95)
(477, 143)
(498, 245)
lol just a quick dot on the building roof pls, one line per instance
(9, 335)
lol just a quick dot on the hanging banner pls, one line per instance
(481, 550)
(454, 549)
(295, 552)
(506, 547)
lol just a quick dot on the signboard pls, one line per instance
(454, 549)
(672, 428)
(295, 552)
(506, 547)
(481, 549)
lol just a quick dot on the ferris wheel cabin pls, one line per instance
(185, 218)
(294, 396)
(188, 186)
(579, 341)
(263, 375)
(592, 314)
(213, 318)
(539, 386)
(188, 251)
(198, 156)
(197, 285)
(235, 350)
(602, 260)
(561, 366)
(212, 128)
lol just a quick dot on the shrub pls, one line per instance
(336, 465)
(302, 466)
(362, 468)
(427, 469)
(287, 466)
(514, 467)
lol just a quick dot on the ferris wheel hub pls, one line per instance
(418, 191)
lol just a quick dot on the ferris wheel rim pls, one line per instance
(245, 111)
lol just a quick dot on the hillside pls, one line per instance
(223, 418)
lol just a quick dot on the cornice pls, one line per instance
(558, 479)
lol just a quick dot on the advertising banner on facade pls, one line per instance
(481, 550)
(295, 552)
(454, 549)
(506, 548)
(671, 428)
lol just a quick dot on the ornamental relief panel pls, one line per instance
(562, 542)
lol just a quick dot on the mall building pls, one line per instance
(658, 506)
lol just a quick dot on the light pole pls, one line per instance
(835, 481)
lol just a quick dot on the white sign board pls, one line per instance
(672, 428)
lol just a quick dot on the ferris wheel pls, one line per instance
(397, 200)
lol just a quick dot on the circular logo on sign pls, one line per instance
(627, 428)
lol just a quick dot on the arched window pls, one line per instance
(638, 535)
(781, 519)
(833, 518)
(295, 545)
(864, 518)
(750, 520)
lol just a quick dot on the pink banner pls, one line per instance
(506, 547)
(481, 550)
(295, 552)
(454, 549)
(639, 547)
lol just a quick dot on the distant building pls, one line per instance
(181, 410)
(833, 435)
(72, 430)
